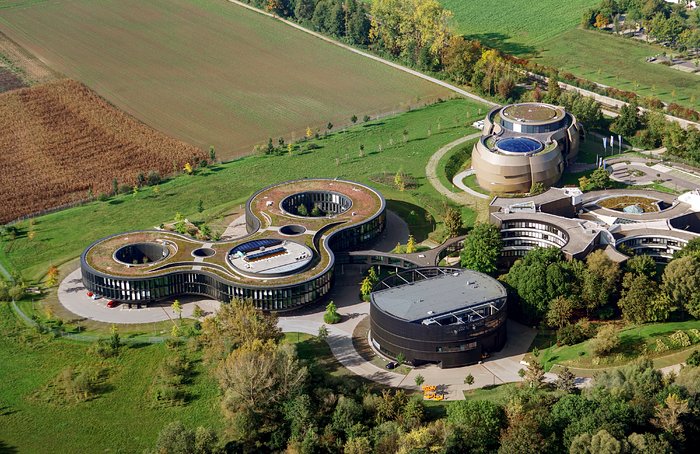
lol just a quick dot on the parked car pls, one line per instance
(90, 294)
(96, 296)
(111, 303)
(478, 124)
(392, 365)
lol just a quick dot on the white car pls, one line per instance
(478, 124)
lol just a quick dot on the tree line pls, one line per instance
(670, 24)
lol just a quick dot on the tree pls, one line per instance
(52, 276)
(600, 443)
(400, 181)
(331, 316)
(534, 374)
(357, 445)
(188, 168)
(353, 119)
(200, 206)
(482, 248)
(322, 333)
(309, 133)
(692, 247)
(16, 292)
(600, 179)
(469, 379)
(329, 126)
(365, 119)
(481, 422)
(607, 340)
(115, 186)
(523, 436)
(304, 10)
(177, 308)
(538, 278)
(411, 245)
(627, 123)
(681, 283)
(197, 312)
(419, 380)
(400, 358)
(601, 20)
(366, 288)
(553, 89)
(669, 413)
(599, 279)
(566, 380)
(452, 218)
(459, 58)
(561, 310)
(235, 324)
(642, 265)
(256, 379)
(641, 301)
(114, 340)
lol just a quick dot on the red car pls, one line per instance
(111, 303)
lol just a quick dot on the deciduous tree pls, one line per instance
(482, 248)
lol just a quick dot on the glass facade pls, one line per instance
(660, 248)
(267, 296)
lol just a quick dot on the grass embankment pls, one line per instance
(62, 236)
(550, 35)
(634, 341)
(210, 72)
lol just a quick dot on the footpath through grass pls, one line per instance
(62, 236)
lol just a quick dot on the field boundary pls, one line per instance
(405, 69)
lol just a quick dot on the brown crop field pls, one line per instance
(60, 139)
(209, 72)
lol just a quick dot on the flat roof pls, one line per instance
(532, 112)
(438, 295)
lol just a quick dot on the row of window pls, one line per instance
(537, 235)
(507, 225)
(149, 290)
(535, 129)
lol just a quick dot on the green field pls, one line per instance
(62, 236)
(119, 420)
(515, 26)
(548, 32)
(209, 71)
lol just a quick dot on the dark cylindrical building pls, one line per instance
(448, 316)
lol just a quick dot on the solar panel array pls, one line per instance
(265, 253)
(255, 245)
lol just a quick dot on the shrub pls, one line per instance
(125, 189)
(573, 334)
(606, 341)
(661, 346)
(153, 178)
(680, 339)
(694, 359)
(103, 197)
(331, 316)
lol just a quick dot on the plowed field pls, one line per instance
(60, 139)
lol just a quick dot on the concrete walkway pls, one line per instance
(461, 198)
(458, 181)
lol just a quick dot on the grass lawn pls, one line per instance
(119, 420)
(634, 341)
(209, 72)
(63, 235)
(515, 26)
(620, 63)
(549, 33)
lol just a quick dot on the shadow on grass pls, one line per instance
(416, 217)
(502, 42)
(7, 449)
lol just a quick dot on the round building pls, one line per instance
(286, 261)
(524, 144)
(448, 316)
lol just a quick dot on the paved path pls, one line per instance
(462, 198)
(236, 229)
(458, 181)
